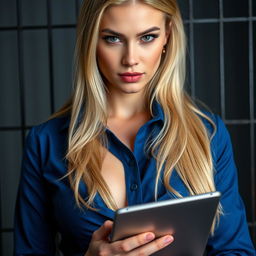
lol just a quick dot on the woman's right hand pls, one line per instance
(142, 244)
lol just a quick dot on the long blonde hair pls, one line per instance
(183, 143)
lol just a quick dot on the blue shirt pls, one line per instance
(46, 205)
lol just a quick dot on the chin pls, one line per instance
(132, 88)
(132, 91)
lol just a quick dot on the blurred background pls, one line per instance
(36, 54)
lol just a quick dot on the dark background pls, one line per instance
(36, 47)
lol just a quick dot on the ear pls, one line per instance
(168, 29)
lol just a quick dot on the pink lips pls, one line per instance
(129, 77)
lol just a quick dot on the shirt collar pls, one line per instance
(158, 113)
(66, 122)
(67, 118)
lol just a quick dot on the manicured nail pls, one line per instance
(168, 239)
(150, 237)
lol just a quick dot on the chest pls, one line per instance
(131, 177)
(113, 174)
(113, 170)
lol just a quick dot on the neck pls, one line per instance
(126, 106)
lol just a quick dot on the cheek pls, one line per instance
(104, 58)
(154, 58)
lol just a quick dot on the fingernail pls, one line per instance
(168, 239)
(149, 237)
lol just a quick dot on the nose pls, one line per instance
(130, 57)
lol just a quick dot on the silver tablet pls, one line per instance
(188, 219)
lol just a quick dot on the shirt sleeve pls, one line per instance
(34, 232)
(231, 236)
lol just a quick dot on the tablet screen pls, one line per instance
(188, 219)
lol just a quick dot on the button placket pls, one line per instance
(131, 163)
(133, 179)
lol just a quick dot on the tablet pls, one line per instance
(188, 219)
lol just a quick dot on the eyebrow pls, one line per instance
(106, 30)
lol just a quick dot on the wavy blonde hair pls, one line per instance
(183, 143)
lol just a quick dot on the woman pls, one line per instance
(129, 135)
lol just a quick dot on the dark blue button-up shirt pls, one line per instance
(46, 205)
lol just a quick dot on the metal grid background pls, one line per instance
(210, 28)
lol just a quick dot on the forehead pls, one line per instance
(127, 16)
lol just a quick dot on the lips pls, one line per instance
(129, 77)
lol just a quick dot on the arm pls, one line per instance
(34, 232)
(231, 235)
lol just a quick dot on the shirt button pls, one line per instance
(133, 187)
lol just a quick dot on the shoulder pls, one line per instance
(48, 137)
(44, 152)
(52, 127)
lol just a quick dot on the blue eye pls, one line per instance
(112, 39)
(148, 38)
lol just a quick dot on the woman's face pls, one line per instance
(130, 45)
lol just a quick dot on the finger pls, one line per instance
(153, 246)
(103, 232)
(131, 243)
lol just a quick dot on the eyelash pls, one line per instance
(154, 36)
(108, 39)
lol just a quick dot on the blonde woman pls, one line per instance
(129, 135)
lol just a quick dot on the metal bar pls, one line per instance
(191, 49)
(252, 127)
(77, 8)
(224, 20)
(222, 64)
(21, 68)
(6, 230)
(195, 21)
(50, 53)
(240, 121)
(14, 128)
(22, 94)
(37, 27)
